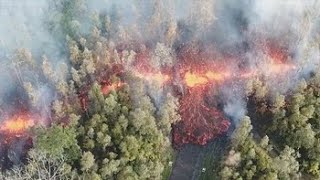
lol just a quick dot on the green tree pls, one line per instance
(87, 161)
(57, 140)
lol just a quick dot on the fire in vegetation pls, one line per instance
(15, 139)
(158, 77)
(17, 125)
(194, 79)
(106, 89)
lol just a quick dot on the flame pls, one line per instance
(217, 76)
(248, 74)
(153, 77)
(106, 89)
(18, 124)
(271, 68)
(278, 68)
(158, 77)
(193, 80)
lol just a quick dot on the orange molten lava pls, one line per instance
(18, 124)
